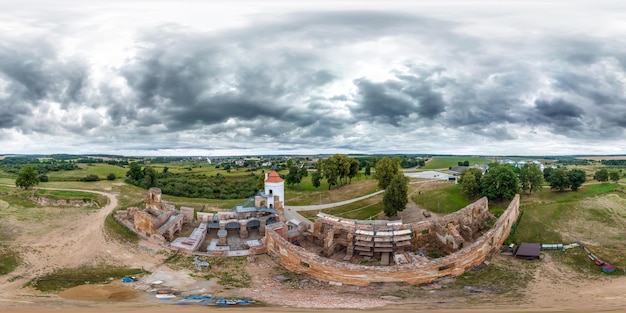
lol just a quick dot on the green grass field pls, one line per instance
(361, 210)
(306, 194)
(586, 215)
(67, 195)
(66, 278)
(438, 162)
(446, 199)
(201, 168)
(100, 169)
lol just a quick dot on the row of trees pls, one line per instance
(603, 175)
(502, 182)
(499, 182)
(339, 170)
(561, 179)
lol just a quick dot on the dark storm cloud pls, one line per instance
(196, 79)
(558, 113)
(392, 100)
(34, 73)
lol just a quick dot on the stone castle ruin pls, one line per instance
(335, 248)
(163, 224)
(331, 249)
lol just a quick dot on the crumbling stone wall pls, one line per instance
(418, 270)
(61, 202)
(368, 238)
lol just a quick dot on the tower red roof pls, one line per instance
(273, 177)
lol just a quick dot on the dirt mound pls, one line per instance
(111, 292)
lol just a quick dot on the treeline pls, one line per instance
(13, 164)
(192, 185)
(575, 162)
(503, 181)
(404, 161)
(614, 162)
(120, 163)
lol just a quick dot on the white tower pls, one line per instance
(274, 190)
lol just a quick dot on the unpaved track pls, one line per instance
(79, 241)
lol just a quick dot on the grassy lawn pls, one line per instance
(306, 194)
(71, 277)
(100, 169)
(72, 195)
(451, 161)
(201, 168)
(200, 203)
(15, 203)
(96, 185)
(446, 198)
(594, 215)
(361, 210)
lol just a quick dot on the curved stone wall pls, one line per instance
(419, 270)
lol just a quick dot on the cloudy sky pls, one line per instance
(138, 77)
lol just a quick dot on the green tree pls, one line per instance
(466, 163)
(355, 167)
(547, 172)
(614, 176)
(531, 177)
(386, 169)
(134, 172)
(330, 171)
(149, 177)
(601, 175)
(90, 177)
(421, 163)
(303, 172)
(27, 177)
(316, 178)
(111, 176)
(576, 178)
(559, 179)
(396, 198)
(500, 182)
(368, 169)
(470, 183)
(293, 177)
(260, 182)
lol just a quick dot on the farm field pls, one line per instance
(438, 162)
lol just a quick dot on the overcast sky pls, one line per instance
(215, 78)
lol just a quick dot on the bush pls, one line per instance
(111, 176)
(43, 178)
(90, 177)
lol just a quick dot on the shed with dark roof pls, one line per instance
(528, 251)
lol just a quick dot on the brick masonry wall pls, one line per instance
(419, 271)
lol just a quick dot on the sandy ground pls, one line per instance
(82, 241)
